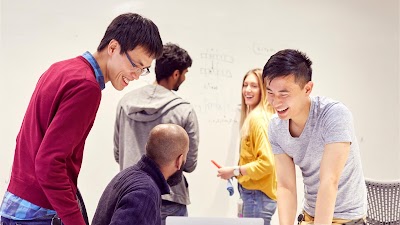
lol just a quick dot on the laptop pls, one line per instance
(181, 220)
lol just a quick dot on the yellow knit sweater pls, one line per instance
(256, 154)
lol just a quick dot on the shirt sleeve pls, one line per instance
(338, 124)
(272, 131)
(116, 133)
(192, 129)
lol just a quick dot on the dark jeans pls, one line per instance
(82, 206)
(172, 209)
(39, 221)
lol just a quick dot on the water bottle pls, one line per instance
(240, 208)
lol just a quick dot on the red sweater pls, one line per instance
(49, 148)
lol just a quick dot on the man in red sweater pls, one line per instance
(60, 114)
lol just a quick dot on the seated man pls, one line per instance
(134, 195)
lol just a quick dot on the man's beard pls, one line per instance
(176, 88)
(178, 84)
(176, 178)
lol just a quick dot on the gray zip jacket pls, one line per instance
(137, 113)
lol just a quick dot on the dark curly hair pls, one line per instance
(173, 58)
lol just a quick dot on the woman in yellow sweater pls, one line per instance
(256, 170)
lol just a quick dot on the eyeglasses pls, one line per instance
(136, 69)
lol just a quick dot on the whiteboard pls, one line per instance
(354, 46)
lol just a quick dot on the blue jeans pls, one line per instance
(41, 221)
(256, 204)
(172, 209)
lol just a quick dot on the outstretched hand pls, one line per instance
(225, 172)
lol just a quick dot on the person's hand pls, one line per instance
(225, 172)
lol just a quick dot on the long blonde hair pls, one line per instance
(263, 105)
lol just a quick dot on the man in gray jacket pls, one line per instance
(142, 109)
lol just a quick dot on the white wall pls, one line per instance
(354, 46)
(398, 69)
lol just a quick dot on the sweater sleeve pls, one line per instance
(136, 208)
(261, 149)
(192, 129)
(116, 133)
(68, 129)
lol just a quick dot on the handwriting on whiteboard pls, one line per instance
(261, 49)
(216, 64)
(215, 83)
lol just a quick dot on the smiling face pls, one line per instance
(251, 91)
(289, 99)
(119, 70)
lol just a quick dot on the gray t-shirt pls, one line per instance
(329, 121)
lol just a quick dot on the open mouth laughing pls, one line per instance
(282, 111)
(125, 80)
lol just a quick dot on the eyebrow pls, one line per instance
(251, 82)
(280, 91)
(139, 63)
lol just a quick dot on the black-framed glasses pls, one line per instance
(136, 69)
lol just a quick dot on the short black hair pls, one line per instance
(288, 62)
(132, 30)
(173, 58)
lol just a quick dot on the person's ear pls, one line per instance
(176, 74)
(179, 161)
(112, 46)
(308, 87)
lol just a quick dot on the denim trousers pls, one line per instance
(256, 204)
(172, 209)
(40, 221)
